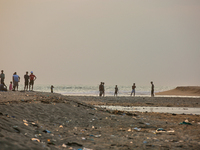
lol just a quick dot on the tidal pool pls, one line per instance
(175, 110)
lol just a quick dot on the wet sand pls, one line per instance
(74, 123)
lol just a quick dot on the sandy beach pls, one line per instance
(182, 91)
(38, 120)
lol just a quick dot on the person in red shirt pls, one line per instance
(32, 78)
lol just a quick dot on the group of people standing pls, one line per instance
(28, 81)
(102, 90)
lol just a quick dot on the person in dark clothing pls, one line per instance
(52, 88)
(26, 79)
(2, 76)
(116, 90)
(152, 89)
(101, 88)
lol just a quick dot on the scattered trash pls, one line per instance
(186, 123)
(97, 136)
(60, 126)
(64, 145)
(147, 124)
(186, 120)
(24, 121)
(46, 131)
(38, 135)
(144, 142)
(129, 130)
(137, 129)
(26, 124)
(16, 129)
(160, 129)
(34, 124)
(34, 139)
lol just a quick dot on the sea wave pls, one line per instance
(85, 90)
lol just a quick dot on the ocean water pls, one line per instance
(93, 90)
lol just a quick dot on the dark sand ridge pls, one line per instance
(183, 91)
(75, 123)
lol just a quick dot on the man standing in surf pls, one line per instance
(152, 89)
(133, 89)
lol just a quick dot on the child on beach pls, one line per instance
(10, 87)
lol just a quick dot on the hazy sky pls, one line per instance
(88, 41)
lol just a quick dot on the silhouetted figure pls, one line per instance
(52, 88)
(152, 89)
(116, 91)
(133, 89)
(26, 81)
(2, 76)
(16, 79)
(101, 89)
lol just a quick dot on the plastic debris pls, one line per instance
(46, 131)
(160, 129)
(34, 139)
(129, 130)
(60, 126)
(137, 129)
(97, 136)
(34, 124)
(186, 120)
(144, 142)
(186, 123)
(26, 124)
(16, 129)
(24, 121)
(64, 145)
